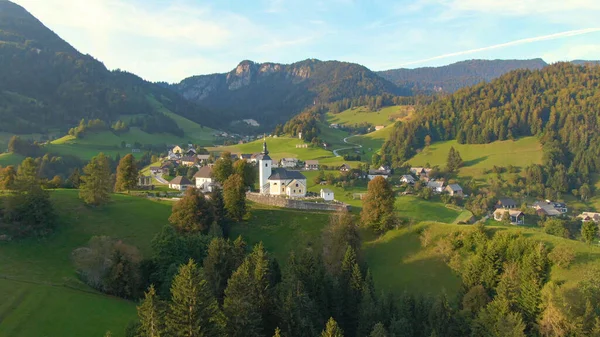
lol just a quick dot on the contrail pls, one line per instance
(508, 44)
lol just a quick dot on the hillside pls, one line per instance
(458, 75)
(47, 84)
(271, 93)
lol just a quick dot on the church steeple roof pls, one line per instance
(265, 151)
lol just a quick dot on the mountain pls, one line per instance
(558, 104)
(457, 75)
(584, 62)
(48, 85)
(272, 93)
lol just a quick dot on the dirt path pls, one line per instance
(354, 146)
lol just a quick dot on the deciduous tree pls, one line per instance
(127, 174)
(378, 206)
(589, 231)
(234, 196)
(193, 213)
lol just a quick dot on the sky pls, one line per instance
(169, 40)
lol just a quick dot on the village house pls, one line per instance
(289, 162)
(155, 170)
(407, 179)
(203, 179)
(279, 181)
(177, 150)
(188, 161)
(516, 217)
(254, 158)
(203, 158)
(506, 203)
(378, 173)
(549, 208)
(345, 168)
(589, 216)
(437, 186)
(420, 172)
(311, 165)
(190, 152)
(180, 183)
(379, 127)
(455, 190)
(327, 194)
(246, 157)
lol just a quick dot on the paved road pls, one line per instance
(355, 146)
(160, 179)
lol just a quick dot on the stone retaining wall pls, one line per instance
(295, 204)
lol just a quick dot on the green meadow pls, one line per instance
(480, 157)
(384, 116)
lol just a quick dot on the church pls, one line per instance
(279, 181)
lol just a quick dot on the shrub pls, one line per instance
(562, 256)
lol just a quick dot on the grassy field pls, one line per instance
(480, 157)
(282, 147)
(7, 159)
(384, 116)
(372, 142)
(41, 285)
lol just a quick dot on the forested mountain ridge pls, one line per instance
(458, 75)
(47, 84)
(559, 103)
(272, 93)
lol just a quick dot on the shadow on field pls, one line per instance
(475, 161)
(398, 262)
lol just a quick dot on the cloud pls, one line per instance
(566, 34)
(522, 7)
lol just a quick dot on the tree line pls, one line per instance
(558, 104)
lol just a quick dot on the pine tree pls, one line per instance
(368, 314)
(234, 196)
(277, 332)
(332, 329)
(193, 311)
(454, 161)
(127, 174)
(151, 314)
(379, 331)
(589, 231)
(193, 213)
(378, 206)
(241, 308)
(95, 184)
(340, 233)
(218, 206)
(219, 264)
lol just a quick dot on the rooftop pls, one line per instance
(180, 180)
(204, 172)
(283, 174)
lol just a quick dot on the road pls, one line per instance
(355, 146)
(160, 179)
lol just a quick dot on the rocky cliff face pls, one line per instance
(271, 93)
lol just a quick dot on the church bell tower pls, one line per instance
(265, 167)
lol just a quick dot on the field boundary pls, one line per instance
(296, 204)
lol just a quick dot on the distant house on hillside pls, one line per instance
(311, 165)
(549, 208)
(408, 179)
(190, 152)
(180, 183)
(155, 169)
(177, 150)
(289, 162)
(188, 161)
(204, 180)
(506, 203)
(378, 173)
(437, 186)
(379, 127)
(345, 168)
(203, 158)
(420, 172)
(589, 216)
(455, 190)
(327, 194)
(247, 157)
(516, 217)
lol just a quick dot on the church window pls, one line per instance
(296, 185)
(266, 165)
